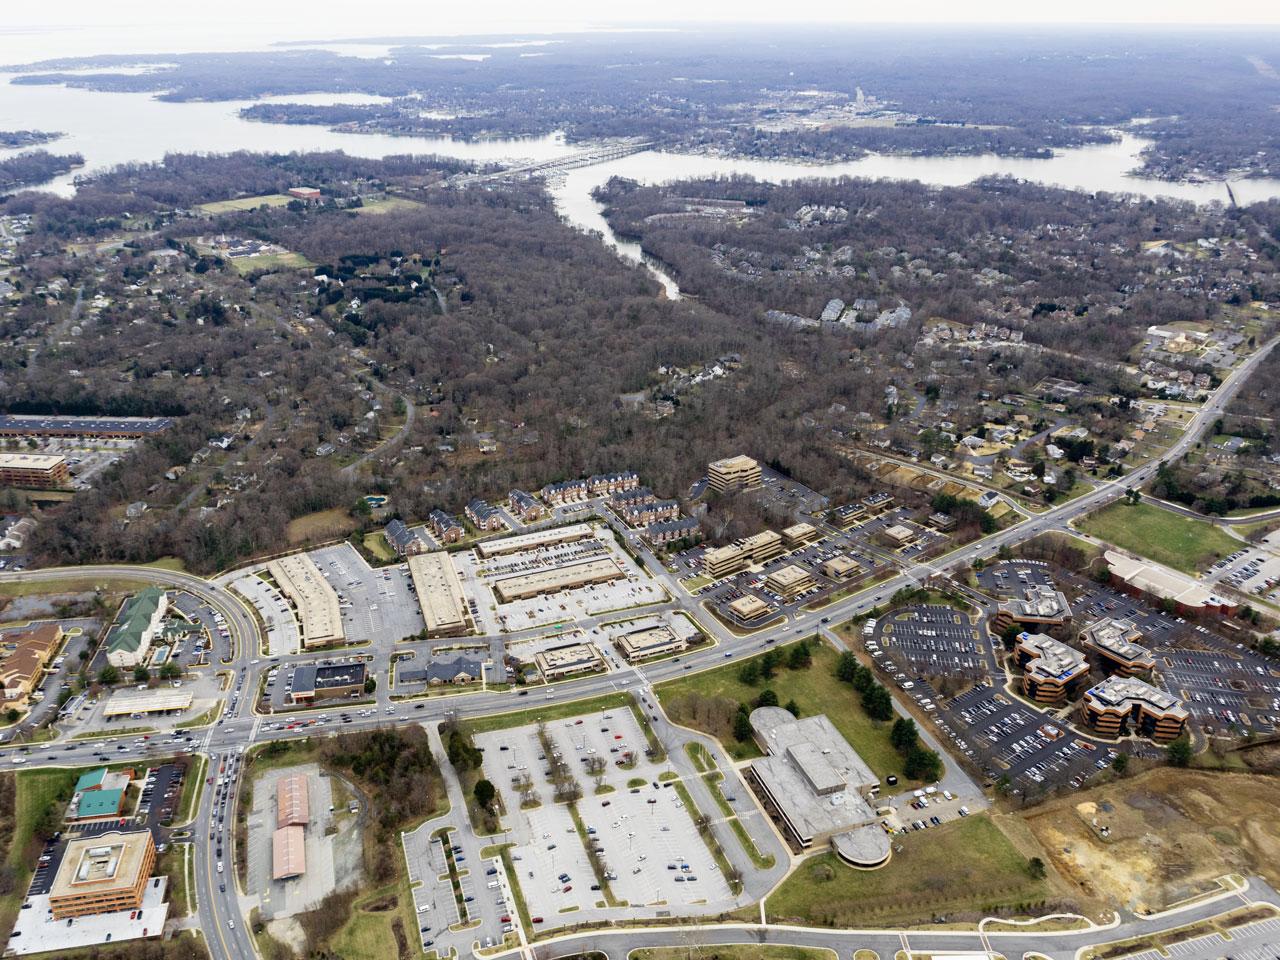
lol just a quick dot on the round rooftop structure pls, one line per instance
(863, 847)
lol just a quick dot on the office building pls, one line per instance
(1051, 669)
(571, 576)
(899, 535)
(535, 541)
(314, 600)
(36, 470)
(817, 785)
(849, 515)
(102, 874)
(790, 581)
(1121, 705)
(797, 535)
(733, 473)
(568, 660)
(878, 503)
(757, 548)
(1146, 579)
(460, 671)
(312, 682)
(749, 608)
(841, 567)
(137, 624)
(92, 428)
(1040, 604)
(440, 595)
(649, 642)
(1116, 644)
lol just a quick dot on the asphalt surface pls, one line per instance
(220, 913)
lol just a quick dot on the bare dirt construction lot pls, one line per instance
(1150, 841)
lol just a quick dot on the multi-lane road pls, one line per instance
(221, 917)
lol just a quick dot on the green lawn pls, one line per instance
(734, 951)
(815, 690)
(245, 203)
(1161, 535)
(35, 792)
(965, 865)
(548, 711)
(387, 205)
(378, 547)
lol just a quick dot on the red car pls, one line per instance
(537, 919)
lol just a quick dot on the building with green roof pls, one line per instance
(136, 625)
(94, 804)
(91, 780)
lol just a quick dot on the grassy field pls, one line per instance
(388, 205)
(286, 260)
(964, 866)
(547, 711)
(323, 525)
(34, 792)
(245, 203)
(815, 690)
(1169, 538)
(35, 588)
(377, 546)
(734, 951)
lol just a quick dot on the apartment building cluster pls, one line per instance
(25, 654)
(600, 485)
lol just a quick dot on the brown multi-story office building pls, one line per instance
(1051, 669)
(1039, 604)
(798, 534)
(37, 470)
(1120, 705)
(733, 473)
(848, 515)
(1115, 642)
(102, 874)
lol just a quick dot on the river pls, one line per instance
(114, 128)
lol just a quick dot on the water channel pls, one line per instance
(115, 128)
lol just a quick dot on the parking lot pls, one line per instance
(934, 640)
(431, 851)
(378, 604)
(1252, 570)
(282, 625)
(478, 576)
(650, 853)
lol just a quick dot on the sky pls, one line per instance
(83, 27)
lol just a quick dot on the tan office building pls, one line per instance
(533, 541)
(790, 581)
(316, 603)
(650, 642)
(749, 608)
(102, 874)
(440, 594)
(899, 535)
(841, 567)
(733, 473)
(799, 534)
(42, 471)
(566, 661)
(571, 577)
(757, 548)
